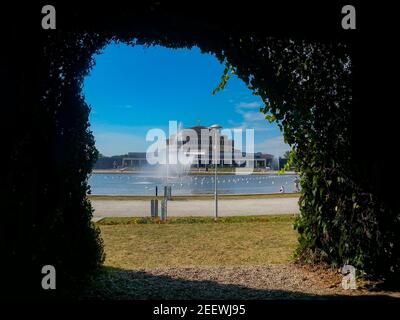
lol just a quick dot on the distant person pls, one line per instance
(282, 189)
(296, 185)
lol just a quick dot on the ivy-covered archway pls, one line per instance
(306, 85)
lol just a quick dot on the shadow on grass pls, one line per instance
(121, 284)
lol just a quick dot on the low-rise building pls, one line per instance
(199, 142)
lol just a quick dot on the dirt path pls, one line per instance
(240, 207)
(282, 281)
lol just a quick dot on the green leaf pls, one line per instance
(271, 118)
(224, 79)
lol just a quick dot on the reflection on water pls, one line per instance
(140, 184)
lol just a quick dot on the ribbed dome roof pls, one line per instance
(215, 126)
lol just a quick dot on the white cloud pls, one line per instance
(251, 116)
(249, 105)
(275, 146)
(251, 119)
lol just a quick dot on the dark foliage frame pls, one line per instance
(305, 83)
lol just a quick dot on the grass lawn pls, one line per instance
(135, 243)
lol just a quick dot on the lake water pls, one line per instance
(140, 184)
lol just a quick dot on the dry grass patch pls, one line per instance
(136, 246)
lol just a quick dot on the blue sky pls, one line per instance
(134, 89)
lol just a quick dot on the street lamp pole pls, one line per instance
(167, 171)
(215, 127)
(215, 189)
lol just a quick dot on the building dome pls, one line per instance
(215, 126)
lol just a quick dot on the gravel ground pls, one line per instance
(283, 281)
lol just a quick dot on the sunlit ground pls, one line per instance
(196, 258)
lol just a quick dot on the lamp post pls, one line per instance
(215, 128)
(167, 169)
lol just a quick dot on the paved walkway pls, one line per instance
(226, 207)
